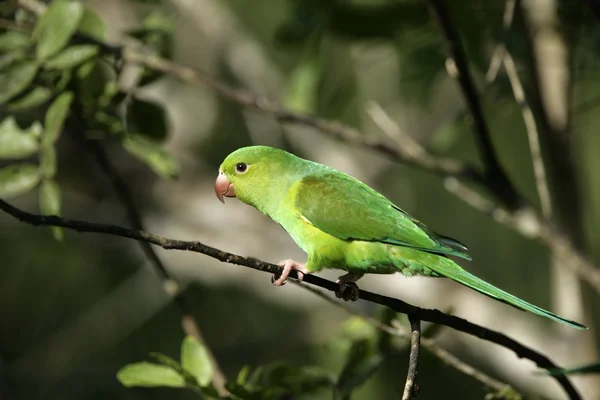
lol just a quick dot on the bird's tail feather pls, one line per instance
(461, 276)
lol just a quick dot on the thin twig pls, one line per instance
(410, 387)
(528, 117)
(189, 323)
(439, 165)
(532, 134)
(423, 314)
(496, 177)
(500, 49)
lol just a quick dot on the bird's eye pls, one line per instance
(240, 168)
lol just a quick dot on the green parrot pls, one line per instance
(344, 224)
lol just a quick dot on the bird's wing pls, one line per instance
(350, 210)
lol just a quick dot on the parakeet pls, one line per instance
(344, 224)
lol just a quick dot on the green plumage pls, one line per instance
(342, 223)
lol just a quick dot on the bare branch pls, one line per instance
(410, 387)
(500, 49)
(532, 134)
(422, 314)
(439, 165)
(496, 177)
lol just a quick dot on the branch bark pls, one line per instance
(496, 177)
(411, 389)
(422, 314)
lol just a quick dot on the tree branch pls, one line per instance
(533, 227)
(438, 165)
(410, 387)
(496, 177)
(422, 314)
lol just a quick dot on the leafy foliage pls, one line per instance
(55, 79)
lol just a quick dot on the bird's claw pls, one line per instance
(288, 266)
(348, 291)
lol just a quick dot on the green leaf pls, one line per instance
(72, 56)
(151, 154)
(13, 40)
(18, 179)
(16, 79)
(17, 143)
(36, 97)
(158, 21)
(298, 379)
(48, 160)
(92, 25)
(50, 201)
(302, 86)
(167, 361)
(196, 360)
(243, 375)
(56, 115)
(55, 28)
(360, 366)
(8, 59)
(146, 374)
(148, 118)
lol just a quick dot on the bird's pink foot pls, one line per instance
(348, 288)
(288, 266)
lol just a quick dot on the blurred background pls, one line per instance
(73, 312)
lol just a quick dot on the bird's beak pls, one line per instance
(223, 187)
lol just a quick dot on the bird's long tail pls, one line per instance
(458, 274)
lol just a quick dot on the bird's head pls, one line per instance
(253, 174)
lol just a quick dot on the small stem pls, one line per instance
(410, 387)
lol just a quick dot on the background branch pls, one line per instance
(410, 387)
(422, 314)
(496, 177)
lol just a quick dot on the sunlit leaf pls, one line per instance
(36, 97)
(17, 143)
(12, 57)
(72, 56)
(158, 21)
(56, 115)
(48, 160)
(13, 40)
(92, 25)
(148, 118)
(18, 179)
(243, 375)
(196, 360)
(146, 374)
(166, 360)
(50, 203)
(56, 26)
(151, 154)
(297, 379)
(16, 79)
(302, 86)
